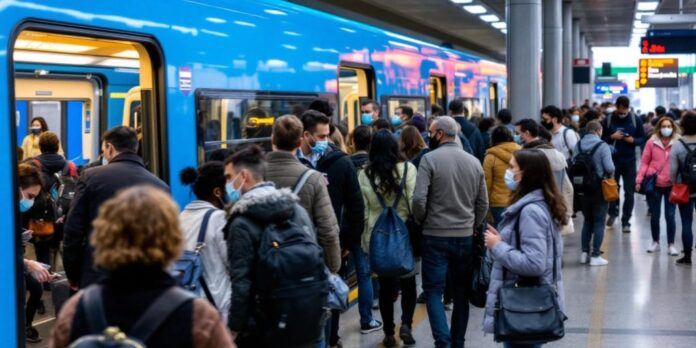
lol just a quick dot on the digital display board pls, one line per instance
(610, 88)
(667, 44)
(658, 72)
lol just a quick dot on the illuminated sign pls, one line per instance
(581, 71)
(658, 72)
(610, 88)
(667, 44)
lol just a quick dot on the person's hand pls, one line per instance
(344, 253)
(60, 220)
(629, 139)
(617, 135)
(37, 271)
(491, 237)
(637, 187)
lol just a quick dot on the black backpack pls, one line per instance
(688, 168)
(292, 287)
(583, 172)
(61, 186)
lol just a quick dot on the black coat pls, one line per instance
(472, 133)
(94, 187)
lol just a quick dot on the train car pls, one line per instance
(215, 77)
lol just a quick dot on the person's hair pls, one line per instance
(529, 125)
(594, 127)
(688, 123)
(140, 226)
(585, 107)
(343, 128)
(375, 105)
(312, 118)
(28, 176)
(591, 115)
(362, 136)
(383, 157)
(623, 101)
(122, 138)
(381, 123)
(447, 125)
(406, 110)
(411, 142)
(219, 155)
(660, 110)
(49, 142)
(536, 174)
(544, 134)
(485, 124)
(322, 106)
(500, 134)
(42, 121)
(20, 154)
(205, 179)
(504, 116)
(553, 112)
(337, 138)
(457, 107)
(436, 110)
(287, 132)
(658, 126)
(251, 158)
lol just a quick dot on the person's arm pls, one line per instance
(420, 195)
(326, 225)
(488, 166)
(481, 203)
(241, 250)
(75, 231)
(607, 161)
(606, 133)
(645, 160)
(354, 207)
(530, 261)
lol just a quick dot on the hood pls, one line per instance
(51, 162)
(658, 141)
(264, 202)
(556, 159)
(534, 196)
(503, 151)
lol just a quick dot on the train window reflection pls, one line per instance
(418, 104)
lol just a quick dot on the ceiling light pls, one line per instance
(640, 25)
(499, 25)
(475, 9)
(118, 62)
(462, 1)
(504, 31)
(640, 15)
(275, 12)
(489, 18)
(647, 6)
(54, 58)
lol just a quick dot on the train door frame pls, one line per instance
(385, 102)
(371, 86)
(493, 98)
(158, 123)
(442, 81)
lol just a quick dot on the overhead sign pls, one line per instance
(581, 62)
(658, 72)
(668, 44)
(610, 88)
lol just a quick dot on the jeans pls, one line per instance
(365, 296)
(520, 345)
(655, 201)
(686, 211)
(627, 173)
(594, 211)
(439, 255)
(497, 213)
(388, 293)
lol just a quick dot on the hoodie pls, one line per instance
(495, 164)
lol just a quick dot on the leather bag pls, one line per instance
(610, 190)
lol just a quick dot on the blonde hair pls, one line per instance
(138, 226)
(658, 126)
(337, 139)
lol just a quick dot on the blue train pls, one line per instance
(193, 76)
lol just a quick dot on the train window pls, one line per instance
(437, 91)
(354, 86)
(474, 106)
(228, 119)
(418, 104)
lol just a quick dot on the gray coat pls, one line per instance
(537, 231)
(677, 157)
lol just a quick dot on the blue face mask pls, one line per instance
(395, 121)
(517, 138)
(319, 147)
(25, 204)
(233, 194)
(510, 180)
(366, 119)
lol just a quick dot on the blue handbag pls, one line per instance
(338, 292)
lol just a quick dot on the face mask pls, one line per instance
(547, 125)
(366, 119)
(666, 132)
(233, 194)
(510, 180)
(434, 142)
(395, 121)
(575, 118)
(319, 147)
(611, 109)
(35, 130)
(25, 204)
(517, 138)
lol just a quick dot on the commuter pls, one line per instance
(336, 138)
(380, 124)
(563, 138)
(460, 113)
(382, 179)
(661, 112)
(412, 146)
(96, 186)
(680, 171)
(402, 117)
(136, 237)
(30, 144)
(648, 125)
(208, 184)
(370, 112)
(504, 118)
(450, 201)
(362, 137)
(494, 166)
(674, 111)
(623, 132)
(590, 116)
(485, 125)
(534, 216)
(575, 118)
(594, 207)
(655, 162)
(436, 110)
(321, 105)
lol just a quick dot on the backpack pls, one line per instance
(105, 336)
(688, 171)
(583, 172)
(61, 186)
(301, 181)
(291, 283)
(391, 253)
(188, 269)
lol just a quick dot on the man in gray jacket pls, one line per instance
(450, 201)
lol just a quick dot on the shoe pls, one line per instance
(626, 229)
(611, 220)
(373, 326)
(598, 261)
(406, 336)
(584, 257)
(421, 298)
(654, 247)
(672, 251)
(389, 341)
(32, 335)
(684, 261)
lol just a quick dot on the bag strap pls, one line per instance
(93, 307)
(401, 187)
(301, 181)
(159, 311)
(565, 141)
(376, 191)
(595, 148)
(200, 242)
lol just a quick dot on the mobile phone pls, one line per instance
(26, 235)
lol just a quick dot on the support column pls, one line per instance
(576, 54)
(524, 57)
(553, 52)
(567, 63)
(590, 87)
(583, 54)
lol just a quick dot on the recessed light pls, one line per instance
(648, 6)
(475, 9)
(499, 25)
(462, 1)
(489, 18)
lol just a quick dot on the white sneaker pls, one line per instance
(654, 247)
(584, 257)
(673, 251)
(598, 261)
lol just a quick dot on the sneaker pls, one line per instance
(584, 257)
(373, 326)
(626, 229)
(598, 261)
(684, 261)
(389, 341)
(421, 298)
(672, 251)
(32, 335)
(654, 247)
(611, 220)
(406, 336)
(375, 305)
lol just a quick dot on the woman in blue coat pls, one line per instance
(538, 205)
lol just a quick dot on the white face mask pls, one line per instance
(666, 132)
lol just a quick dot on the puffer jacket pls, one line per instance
(495, 163)
(655, 159)
(538, 231)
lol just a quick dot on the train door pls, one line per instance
(493, 99)
(131, 108)
(437, 90)
(355, 85)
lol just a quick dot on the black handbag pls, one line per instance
(528, 311)
(481, 272)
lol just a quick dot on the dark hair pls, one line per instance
(529, 125)
(312, 118)
(343, 128)
(287, 132)
(122, 138)
(623, 101)
(322, 106)
(219, 155)
(28, 176)
(457, 107)
(660, 110)
(44, 125)
(591, 115)
(504, 116)
(485, 124)
(381, 123)
(406, 110)
(688, 123)
(544, 134)
(536, 174)
(375, 105)
(49, 142)
(553, 112)
(411, 142)
(585, 106)
(250, 157)
(384, 155)
(436, 110)
(205, 179)
(500, 134)
(362, 136)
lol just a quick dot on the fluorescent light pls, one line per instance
(489, 18)
(244, 24)
(216, 20)
(640, 15)
(275, 12)
(499, 25)
(462, 1)
(55, 58)
(647, 6)
(119, 62)
(640, 25)
(504, 31)
(475, 9)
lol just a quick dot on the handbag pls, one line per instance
(481, 272)
(41, 228)
(610, 190)
(338, 292)
(680, 194)
(528, 311)
(650, 181)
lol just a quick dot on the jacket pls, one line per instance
(359, 159)
(450, 198)
(538, 231)
(214, 253)
(565, 140)
(262, 205)
(127, 294)
(677, 158)
(601, 158)
(373, 209)
(495, 164)
(558, 168)
(30, 146)
(95, 187)
(416, 160)
(655, 159)
(50, 163)
(284, 170)
(472, 133)
(624, 152)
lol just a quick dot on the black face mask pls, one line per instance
(434, 142)
(547, 125)
(35, 131)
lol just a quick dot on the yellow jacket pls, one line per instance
(495, 163)
(30, 147)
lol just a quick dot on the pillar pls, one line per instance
(524, 57)
(583, 54)
(590, 87)
(576, 54)
(567, 63)
(553, 52)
